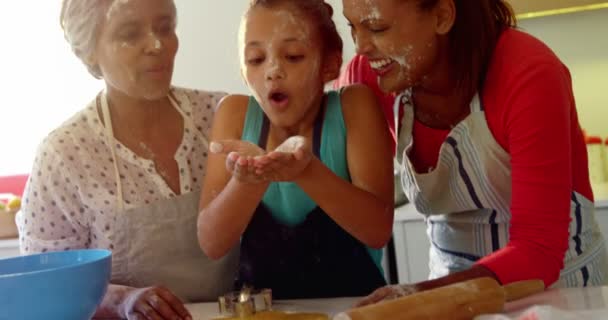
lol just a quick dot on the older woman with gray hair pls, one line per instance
(125, 172)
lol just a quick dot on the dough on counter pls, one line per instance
(279, 315)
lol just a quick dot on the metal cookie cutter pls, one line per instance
(245, 302)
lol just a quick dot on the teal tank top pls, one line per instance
(287, 202)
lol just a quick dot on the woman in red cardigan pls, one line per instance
(489, 145)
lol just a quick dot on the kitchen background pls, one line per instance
(43, 83)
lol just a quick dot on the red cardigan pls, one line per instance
(530, 110)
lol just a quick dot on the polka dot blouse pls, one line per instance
(70, 198)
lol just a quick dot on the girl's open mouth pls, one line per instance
(278, 100)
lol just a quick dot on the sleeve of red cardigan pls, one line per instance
(358, 70)
(537, 123)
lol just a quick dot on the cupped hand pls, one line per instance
(240, 157)
(154, 303)
(388, 293)
(286, 162)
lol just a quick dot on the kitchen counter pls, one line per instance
(209, 310)
(570, 299)
(573, 299)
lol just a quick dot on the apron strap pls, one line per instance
(102, 103)
(476, 105)
(187, 119)
(400, 101)
(110, 140)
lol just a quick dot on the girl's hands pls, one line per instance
(286, 162)
(240, 157)
(250, 164)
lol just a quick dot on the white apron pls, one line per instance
(157, 244)
(466, 197)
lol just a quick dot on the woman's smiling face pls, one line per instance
(398, 38)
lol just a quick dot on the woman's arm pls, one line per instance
(540, 123)
(358, 70)
(141, 303)
(364, 207)
(227, 203)
(111, 305)
(51, 216)
(541, 178)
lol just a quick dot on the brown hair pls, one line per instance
(320, 14)
(476, 30)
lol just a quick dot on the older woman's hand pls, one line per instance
(154, 303)
(388, 293)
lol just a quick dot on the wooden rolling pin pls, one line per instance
(459, 301)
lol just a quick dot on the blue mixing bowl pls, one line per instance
(67, 285)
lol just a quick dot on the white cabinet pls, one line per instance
(412, 244)
(601, 214)
(9, 248)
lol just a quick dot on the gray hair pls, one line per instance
(80, 21)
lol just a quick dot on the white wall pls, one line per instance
(208, 56)
(581, 41)
(42, 82)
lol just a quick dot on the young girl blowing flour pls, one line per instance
(299, 178)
